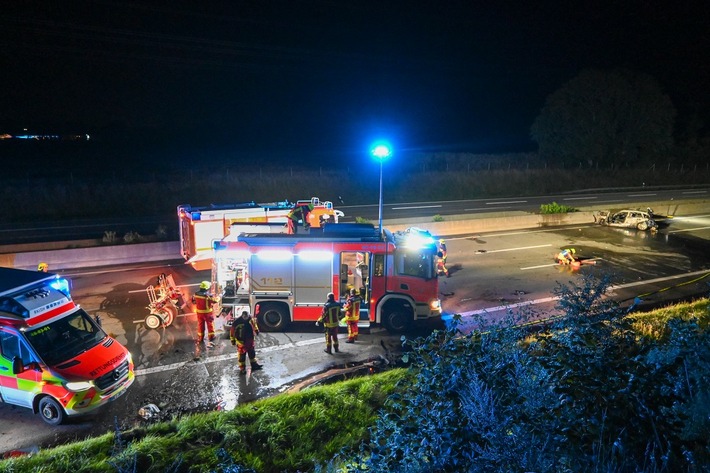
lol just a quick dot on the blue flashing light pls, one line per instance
(417, 238)
(62, 285)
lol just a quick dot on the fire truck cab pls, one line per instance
(285, 278)
(54, 358)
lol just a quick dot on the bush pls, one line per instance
(580, 392)
(555, 208)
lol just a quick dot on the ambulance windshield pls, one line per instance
(65, 338)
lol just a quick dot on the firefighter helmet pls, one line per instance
(245, 314)
(573, 251)
(44, 267)
(353, 291)
(331, 297)
(205, 285)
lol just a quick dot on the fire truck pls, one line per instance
(200, 226)
(284, 278)
(54, 358)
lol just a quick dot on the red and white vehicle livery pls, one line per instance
(54, 358)
(286, 278)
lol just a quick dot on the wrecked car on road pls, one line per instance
(638, 219)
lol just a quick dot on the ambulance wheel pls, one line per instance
(51, 411)
(273, 318)
(153, 321)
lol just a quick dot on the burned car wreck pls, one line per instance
(629, 218)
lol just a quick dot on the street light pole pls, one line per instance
(381, 151)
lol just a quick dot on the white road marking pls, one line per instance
(507, 202)
(485, 208)
(642, 195)
(555, 298)
(689, 229)
(418, 207)
(515, 249)
(694, 192)
(579, 198)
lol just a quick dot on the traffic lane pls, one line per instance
(495, 272)
(526, 203)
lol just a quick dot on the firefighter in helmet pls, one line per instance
(566, 256)
(329, 319)
(43, 267)
(242, 334)
(352, 315)
(442, 248)
(441, 268)
(204, 301)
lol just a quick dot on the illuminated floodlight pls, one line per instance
(275, 255)
(315, 255)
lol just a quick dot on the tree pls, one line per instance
(613, 118)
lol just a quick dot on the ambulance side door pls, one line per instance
(19, 388)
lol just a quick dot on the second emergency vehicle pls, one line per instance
(54, 358)
(286, 278)
(200, 226)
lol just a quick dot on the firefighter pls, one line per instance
(441, 265)
(244, 330)
(203, 301)
(442, 248)
(329, 319)
(566, 256)
(43, 267)
(299, 212)
(352, 315)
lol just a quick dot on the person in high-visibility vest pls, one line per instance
(567, 256)
(244, 330)
(329, 319)
(204, 301)
(352, 315)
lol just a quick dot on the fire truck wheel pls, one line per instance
(273, 318)
(51, 411)
(396, 320)
(153, 321)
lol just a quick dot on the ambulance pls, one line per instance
(54, 358)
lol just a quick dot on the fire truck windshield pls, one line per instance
(65, 338)
(419, 264)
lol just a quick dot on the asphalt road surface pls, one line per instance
(491, 274)
(31, 232)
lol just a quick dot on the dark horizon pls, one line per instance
(325, 78)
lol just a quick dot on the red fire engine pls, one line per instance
(285, 278)
(200, 226)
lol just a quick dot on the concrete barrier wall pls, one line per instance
(88, 257)
(94, 256)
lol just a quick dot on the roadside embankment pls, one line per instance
(90, 253)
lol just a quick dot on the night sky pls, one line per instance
(324, 77)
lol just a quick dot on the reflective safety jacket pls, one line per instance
(330, 316)
(243, 331)
(352, 309)
(203, 301)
